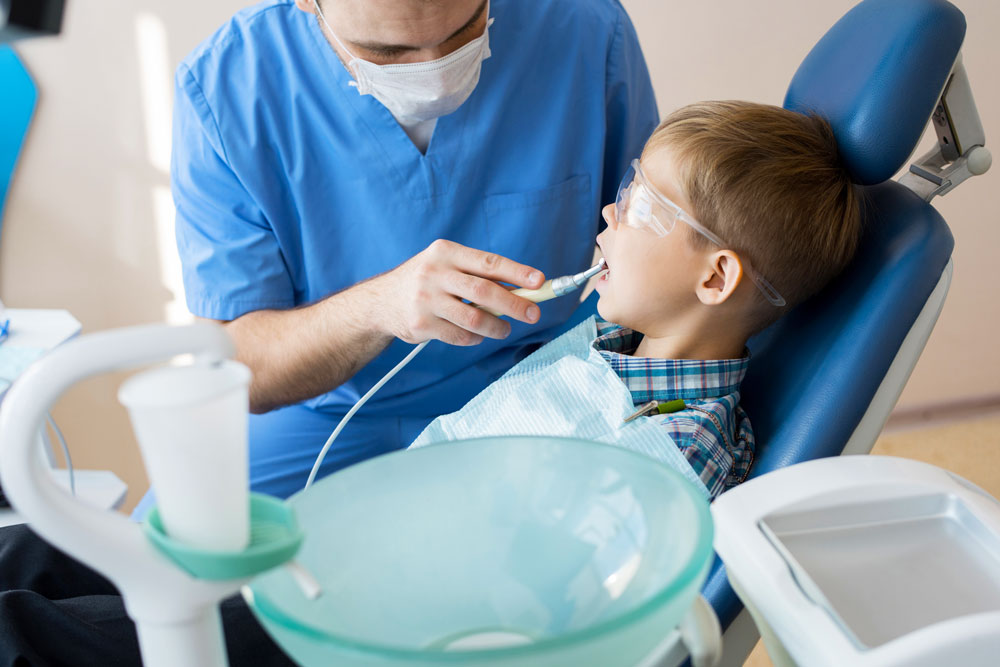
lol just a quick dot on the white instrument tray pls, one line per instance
(866, 560)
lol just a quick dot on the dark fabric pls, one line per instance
(55, 611)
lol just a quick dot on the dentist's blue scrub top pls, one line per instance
(290, 186)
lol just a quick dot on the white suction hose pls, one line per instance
(357, 406)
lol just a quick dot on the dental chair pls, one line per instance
(824, 379)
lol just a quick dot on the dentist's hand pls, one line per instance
(421, 299)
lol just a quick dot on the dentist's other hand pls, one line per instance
(421, 299)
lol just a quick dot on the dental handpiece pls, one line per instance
(560, 286)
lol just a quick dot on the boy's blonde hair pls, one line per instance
(769, 182)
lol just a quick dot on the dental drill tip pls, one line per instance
(567, 284)
(564, 284)
(592, 271)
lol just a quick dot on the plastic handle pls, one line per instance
(104, 540)
(702, 634)
(543, 293)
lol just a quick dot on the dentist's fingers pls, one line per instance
(474, 322)
(421, 299)
(453, 334)
(491, 297)
(487, 264)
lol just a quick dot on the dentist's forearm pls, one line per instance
(304, 352)
(300, 353)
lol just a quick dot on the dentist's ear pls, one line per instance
(720, 278)
(306, 6)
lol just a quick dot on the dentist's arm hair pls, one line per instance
(300, 353)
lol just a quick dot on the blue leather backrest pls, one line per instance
(876, 76)
(815, 371)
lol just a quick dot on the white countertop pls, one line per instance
(38, 329)
(100, 488)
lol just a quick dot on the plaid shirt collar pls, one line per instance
(651, 379)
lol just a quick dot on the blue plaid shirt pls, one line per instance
(713, 432)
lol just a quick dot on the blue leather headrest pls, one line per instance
(876, 76)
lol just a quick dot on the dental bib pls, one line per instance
(566, 388)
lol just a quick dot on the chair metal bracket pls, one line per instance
(960, 152)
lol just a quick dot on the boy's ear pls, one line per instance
(720, 279)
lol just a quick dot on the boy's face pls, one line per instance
(651, 280)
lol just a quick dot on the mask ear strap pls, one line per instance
(486, 33)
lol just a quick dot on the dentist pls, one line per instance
(346, 175)
(347, 172)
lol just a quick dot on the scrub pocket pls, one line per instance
(553, 228)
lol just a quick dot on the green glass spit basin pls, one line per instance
(497, 551)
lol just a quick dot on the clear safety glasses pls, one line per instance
(641, 206)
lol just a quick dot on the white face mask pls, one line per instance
(416, 92)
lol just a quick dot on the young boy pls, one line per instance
(735, 213)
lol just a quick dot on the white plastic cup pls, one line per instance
(191, 424)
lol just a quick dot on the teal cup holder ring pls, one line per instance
(275, 537)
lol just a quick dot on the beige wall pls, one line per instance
(88, 225)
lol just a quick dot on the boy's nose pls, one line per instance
(610, 216)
